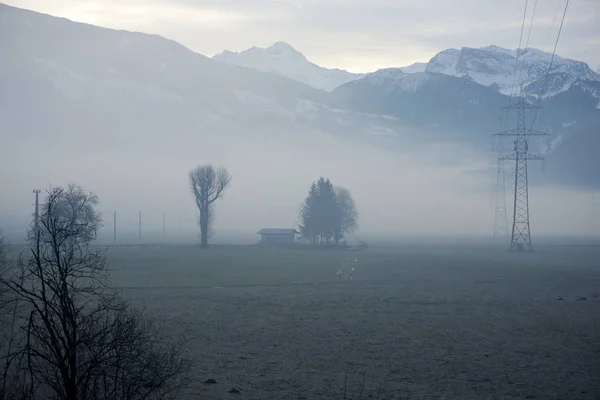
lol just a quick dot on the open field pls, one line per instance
(453, 322)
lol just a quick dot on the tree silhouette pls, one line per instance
(74, 338)
(327, 213)
(207, 185)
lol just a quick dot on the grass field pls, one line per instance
(416, 322)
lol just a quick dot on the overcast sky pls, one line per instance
(357, 35)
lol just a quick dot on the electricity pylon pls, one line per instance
(521, 232)
(500, 218)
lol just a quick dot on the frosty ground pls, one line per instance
(416, 322)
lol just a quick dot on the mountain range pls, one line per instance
(76, 78)
(283, 59)
(490, 66)
(495, 67)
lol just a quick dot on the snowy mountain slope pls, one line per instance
(283, 59)
(442, 107)
(495, 67)
(416, 67)
(444, 62)
(101, 67)
(394, 79)
(88, 82)
(445, 106)
(84, 83)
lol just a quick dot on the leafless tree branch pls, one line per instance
(76, 339)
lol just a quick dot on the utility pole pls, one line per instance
(521, 232)
(36, 223)
(36, 217)
(140, 227)
(115, 226)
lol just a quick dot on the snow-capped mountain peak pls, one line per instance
(444, 62)
(283, 59)
(415, 67)
(283, 47)
(495, 67)
(278, 50)
(498, 49)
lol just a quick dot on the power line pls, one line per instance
(512, 90)
(521, 233)
(531, 24)
(550, 65)
(550, 28)
(500, 217)
(520, 80)
(519, 50)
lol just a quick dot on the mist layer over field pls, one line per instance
(437, 189)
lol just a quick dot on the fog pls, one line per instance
(132, 120)
(438, 189)
(391, 176)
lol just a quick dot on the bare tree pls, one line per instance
(10, 386)
(3, 250)
(4, 314)
(207, 185)
(77, 339)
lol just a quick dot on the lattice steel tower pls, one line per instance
(521, 234)
(500, 218)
